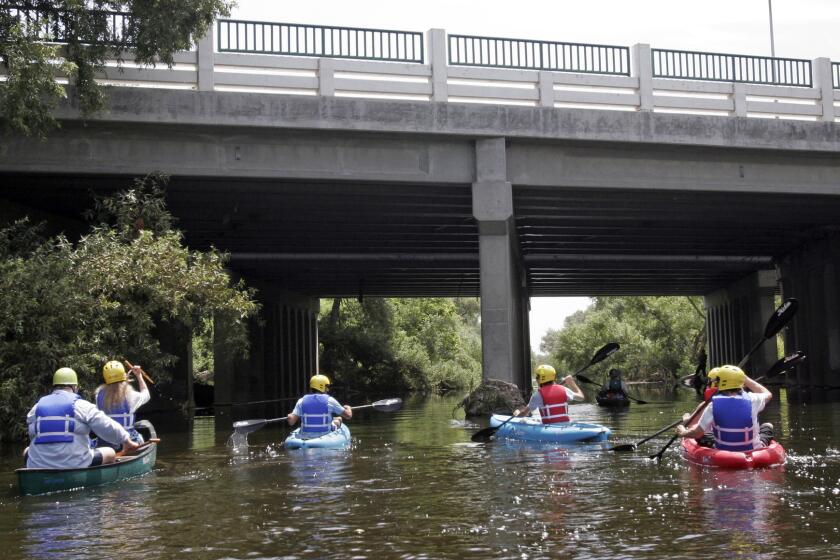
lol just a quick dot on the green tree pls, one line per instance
(91, 32)
(80, 303)
(658, 335)
(416, 344)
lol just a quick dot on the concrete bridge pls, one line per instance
(405, 164)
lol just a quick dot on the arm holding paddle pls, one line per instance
(568, 381)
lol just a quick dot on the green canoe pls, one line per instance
(42, 481)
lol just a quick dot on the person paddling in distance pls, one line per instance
(60, 424)
(315, 410)
(119, 400)
(732, 413)
(551, 398)
(615, 385)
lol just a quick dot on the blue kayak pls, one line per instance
(337, 439)
(532, 429)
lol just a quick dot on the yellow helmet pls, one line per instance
(113, 372)
(545, 373)
(726, 378)
(319, 382)
(65, 376)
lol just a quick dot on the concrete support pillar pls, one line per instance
(643, 70)
(812, 275)
(283, 355)
(503, 307)
(824, 83)
(736, 318)
(436, 39)
(205, 63)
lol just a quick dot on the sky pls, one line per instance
(801, 28)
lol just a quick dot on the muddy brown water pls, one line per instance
(414, 486)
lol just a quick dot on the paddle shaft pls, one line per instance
(143, 373)
(143, 445)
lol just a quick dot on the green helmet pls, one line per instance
(65, 376)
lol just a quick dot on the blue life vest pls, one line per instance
(54, 418)
(316, 419)
(122, 414)
(733, 422)
(615, 385)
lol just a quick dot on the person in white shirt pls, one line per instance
(119, 400)
(60, 424)
(552, 398)
(732, 413)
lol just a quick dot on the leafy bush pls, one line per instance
(81, 303)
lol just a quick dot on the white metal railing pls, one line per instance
(207, 69)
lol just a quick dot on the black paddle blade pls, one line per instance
(781, 317)
(485, 435)
(388, 405)
(624, 447)
(585, 379)
(786, 363)
(604, 352)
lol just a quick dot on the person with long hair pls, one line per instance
(119, 400)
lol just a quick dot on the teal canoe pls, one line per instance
(337, 439)
(42, 481)
(532, 429)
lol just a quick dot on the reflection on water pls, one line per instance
(413, 485)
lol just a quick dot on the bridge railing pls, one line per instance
(293, 39)
(291, 59)
(496, 52)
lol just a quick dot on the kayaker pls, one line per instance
(615, 385)
(60, 424)
(732, 414)
(551, 398)
(119, 400)
(315, 410)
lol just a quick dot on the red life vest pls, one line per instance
(554, 409)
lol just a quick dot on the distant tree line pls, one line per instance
(429, 345)
(661, 337)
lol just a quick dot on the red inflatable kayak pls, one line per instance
(769, 456)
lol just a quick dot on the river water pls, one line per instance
(414, 486)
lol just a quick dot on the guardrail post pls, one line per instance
(739, 98)
(326, 77)
(205, 52)
(546, 85)
(825, 86)
(643, 70)
(436, 39)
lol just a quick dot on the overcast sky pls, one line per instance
(802, 29)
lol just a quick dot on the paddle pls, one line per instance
(781, 366)
(485, 435)
(587, 380)
(143, 373)
(248, 426)
(777, 320)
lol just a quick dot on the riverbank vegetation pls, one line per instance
(418, 344)
(80, 302)
(661, 337)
